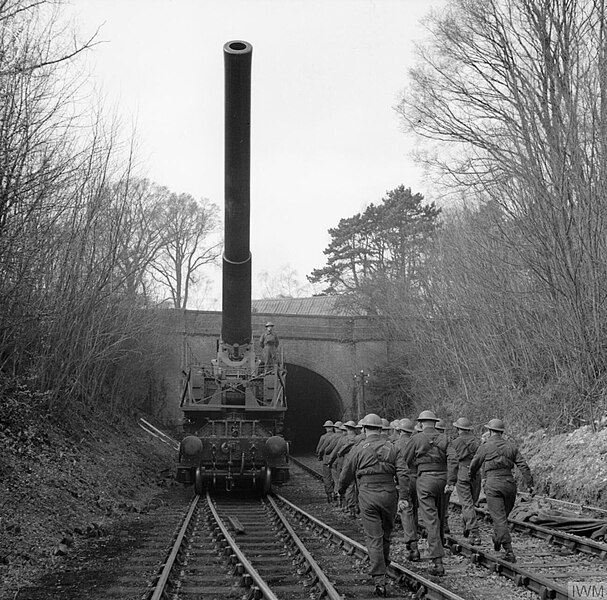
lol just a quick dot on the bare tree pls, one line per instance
(514, 90)
(187, 227)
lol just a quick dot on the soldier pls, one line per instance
(327, 450)
(373, 465)
(499, 457)
(320, 452)
(461, 451)
(269, 344)
(408, 517)
(394, 430)
(441, 427)
(428, 450)
(350, 503)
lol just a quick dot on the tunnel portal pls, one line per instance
(311, 400)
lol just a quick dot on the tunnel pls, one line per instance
(311, 400)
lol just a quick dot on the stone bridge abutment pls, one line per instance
(322, 355)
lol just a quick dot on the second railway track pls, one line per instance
(546, 563)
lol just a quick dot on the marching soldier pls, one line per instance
(499, 457)
(338, 457)
(408, 516)
(320, 452)
(461, 451)
(441, 427)
(428, 450)
(373, 464)
(328, 450)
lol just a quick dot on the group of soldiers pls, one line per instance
(378, 469)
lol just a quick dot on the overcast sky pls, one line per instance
(325, 139)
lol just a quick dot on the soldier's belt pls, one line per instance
(376, 478)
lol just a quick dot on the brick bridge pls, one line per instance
(322, 352)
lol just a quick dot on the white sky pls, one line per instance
(325, 139)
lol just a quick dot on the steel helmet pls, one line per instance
(406, 425)
(337, 425)
(496, 425)
(359, 425)
(350, 424)
(372, 420)
(440, 425)
(463, 423)
(269, 324)
(328, 423)
(385, 424)
(427, 415)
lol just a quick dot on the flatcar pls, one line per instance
(234, 407)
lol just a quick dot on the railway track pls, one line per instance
(546, 563)
(269, 548)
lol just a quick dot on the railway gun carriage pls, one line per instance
(235, 407)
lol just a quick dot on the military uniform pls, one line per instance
(372, 463)
(336, 462)
(461, 451)
(499, 456)
(328, 474)
(428, 450)
(326, 471)
(269, 343)
(409, 516)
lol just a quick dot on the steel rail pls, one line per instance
(562, 538)
(545, 588)
(328, 590)
(163, 437)
(566, 502)
(552, 536)
(172, 559)
(248, 567)
(421, 586)
(305, 467)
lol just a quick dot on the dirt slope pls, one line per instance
(57, 494)
(571, 466)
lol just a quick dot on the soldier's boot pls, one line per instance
(475, 539)
(380, 590)
(509, 555)
(380, 586)
(496, 545)
(413, 554)
(437, 567)
(466, 532)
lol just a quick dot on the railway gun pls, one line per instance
(234, 408)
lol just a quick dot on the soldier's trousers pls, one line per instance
(501, 495)
(327, 478)
(468, 493)
(351, 499)
(431, 495)
(335, 475)
(409, 515)
(378, 505)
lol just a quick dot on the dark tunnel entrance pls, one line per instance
(311, 400)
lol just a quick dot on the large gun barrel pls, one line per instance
(236, 301)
